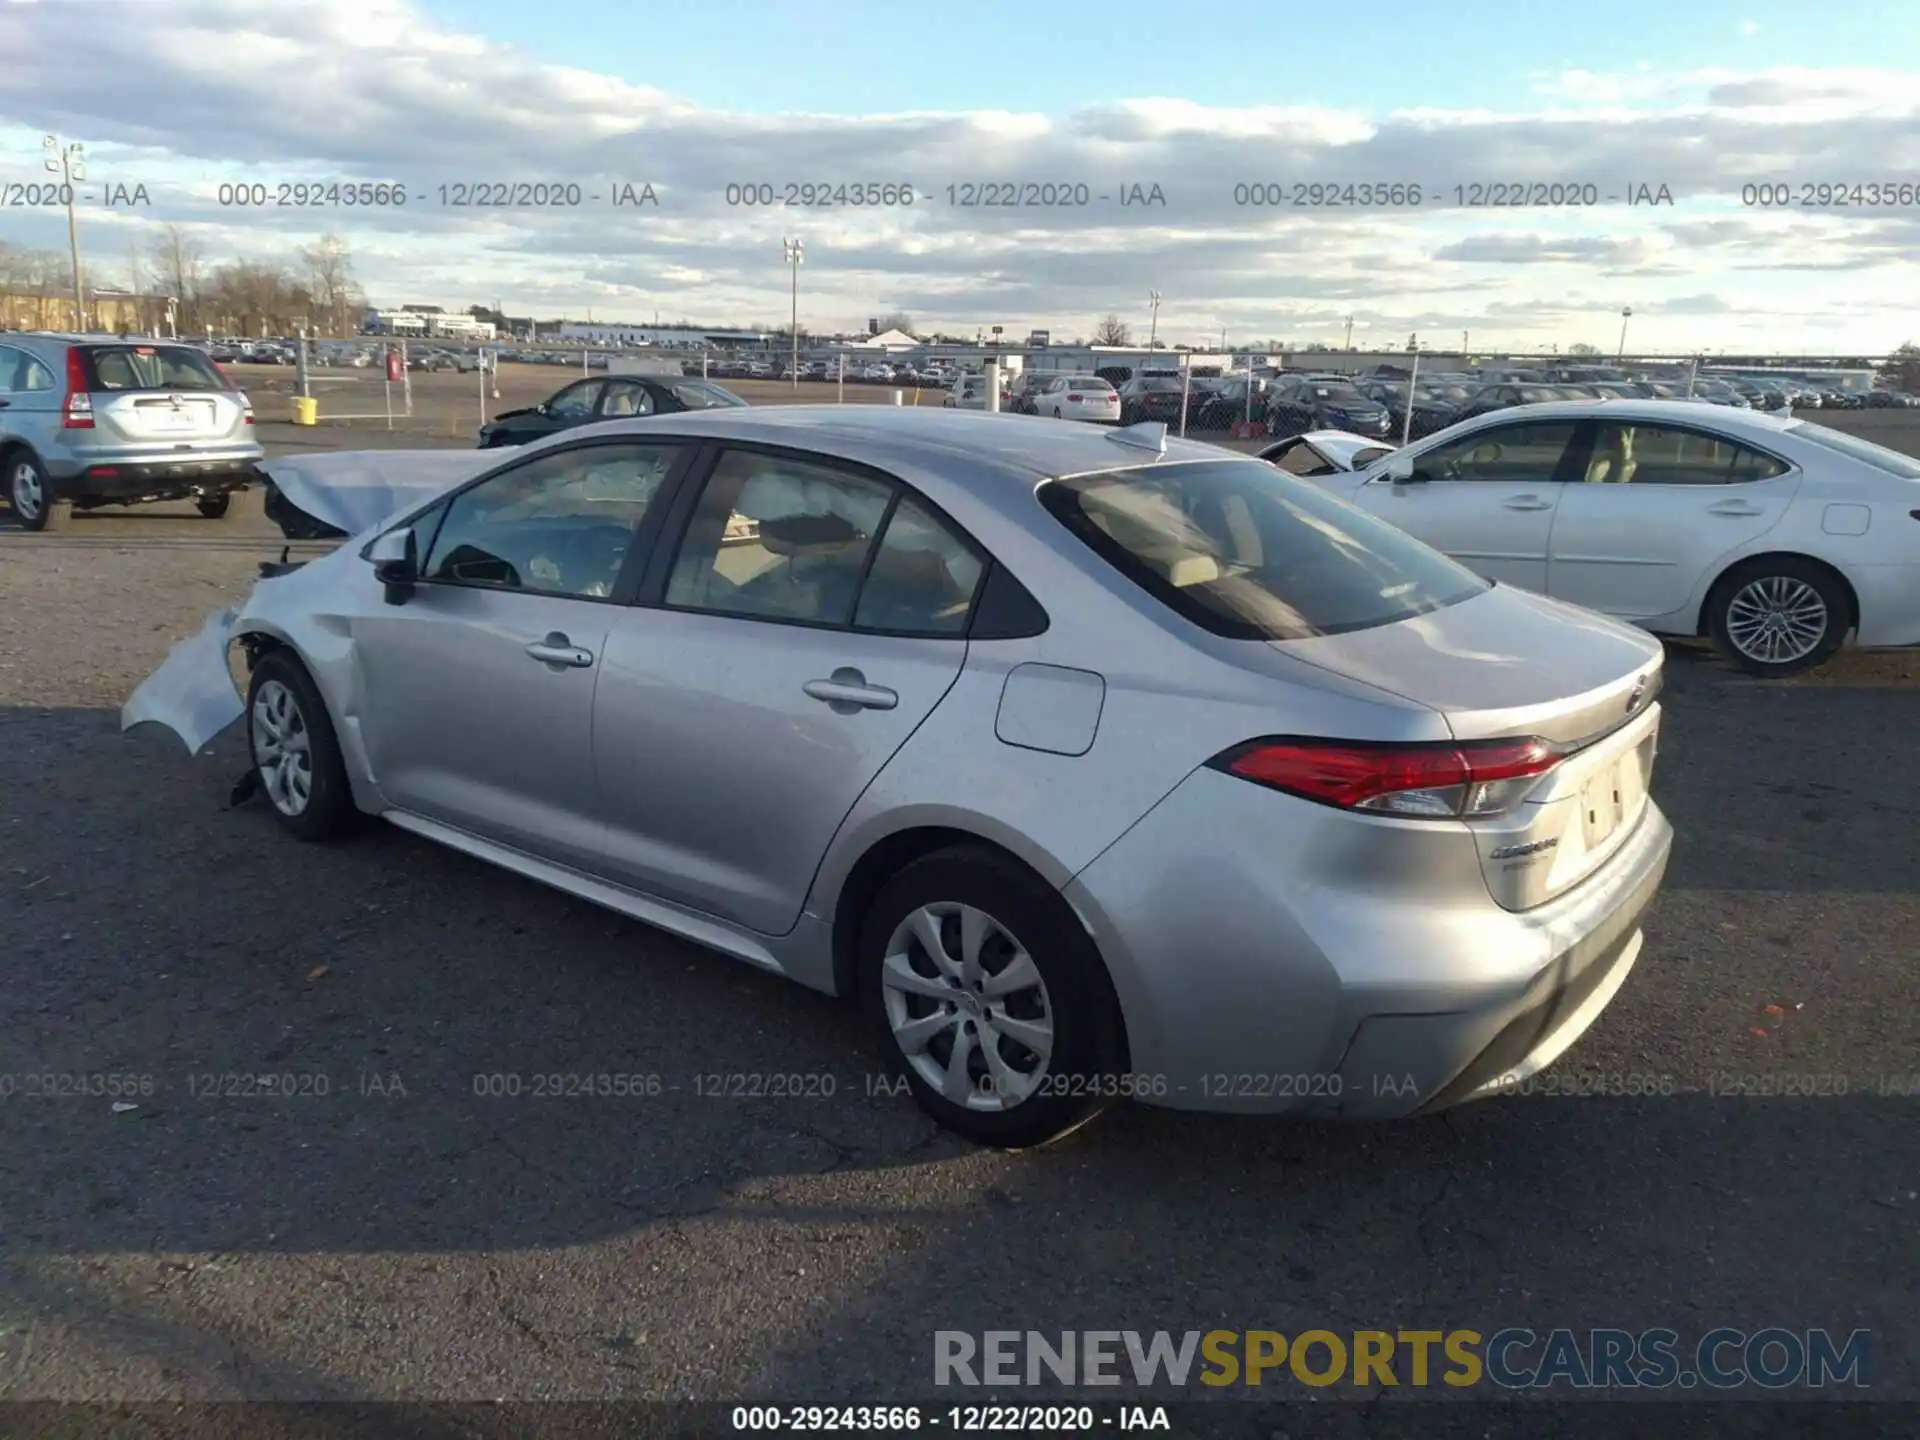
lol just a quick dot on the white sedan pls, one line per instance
(1078, 397)
(1774, 537)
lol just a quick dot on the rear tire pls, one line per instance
(1035, 992)
(214, 507)
(293, 747)
(1778, 615)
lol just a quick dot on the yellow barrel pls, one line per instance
(306, 410)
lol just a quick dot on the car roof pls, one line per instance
(1690, 412)
(972, 448)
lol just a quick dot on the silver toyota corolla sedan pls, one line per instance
(1093, 764)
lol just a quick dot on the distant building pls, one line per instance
(421, 321)
(674, 336)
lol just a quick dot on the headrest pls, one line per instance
(803, 534)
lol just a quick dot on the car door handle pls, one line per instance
(1527, 502)
(848, 690)
(1735, 507)
(560, 652)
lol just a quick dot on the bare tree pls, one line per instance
(898, 320)
(178, 258)
(329, 265)
(1112, 331)
(1582, 348)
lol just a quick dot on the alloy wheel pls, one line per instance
(26, 493)
(1776, 619)
(282, 748)
(967, 1006)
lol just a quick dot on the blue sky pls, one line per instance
(862, 56)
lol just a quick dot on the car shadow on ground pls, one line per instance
(407, 1002)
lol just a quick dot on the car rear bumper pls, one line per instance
(1889, 597)
(109, 479)
(1268, 958)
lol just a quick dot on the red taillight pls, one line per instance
(1435, 782)
(103, 472)
(77, 410)
(1075, 399)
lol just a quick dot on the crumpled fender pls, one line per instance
(192, 693)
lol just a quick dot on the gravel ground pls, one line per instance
(402, 1237)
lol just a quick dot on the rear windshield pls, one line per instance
(1248, 552)
(1854, 448)
(153, 367)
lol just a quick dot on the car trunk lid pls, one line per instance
(168, 394)
(1512, 664)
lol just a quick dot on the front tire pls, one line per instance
(1778, 616)
(986, 993)
(214, 507)
(291, 740)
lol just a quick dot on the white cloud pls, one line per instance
(228, 90)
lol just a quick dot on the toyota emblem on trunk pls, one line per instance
(175, 401)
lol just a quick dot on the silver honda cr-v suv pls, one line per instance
(89, 420)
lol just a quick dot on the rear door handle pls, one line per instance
(1527, 502)
(1735, 507)
(848, 691)
(560, 653)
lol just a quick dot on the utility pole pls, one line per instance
(70, 164)
(1626, 314)
(1349, 344)
(796, 252)
(1153, 328)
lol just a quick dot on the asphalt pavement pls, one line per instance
(397, 1223)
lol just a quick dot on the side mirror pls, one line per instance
(396, 563)
(1401, 472)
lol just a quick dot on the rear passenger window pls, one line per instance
(923, 577)
(774, 538)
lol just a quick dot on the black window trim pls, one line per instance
(651, 591)
(641, 543)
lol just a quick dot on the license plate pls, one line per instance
(171, 419)
(1612, 798)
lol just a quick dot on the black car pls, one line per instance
(1501, 397)
(1298, 404)
(616, 397)
(1226, 404)
(1151, 397)
(1434, 406)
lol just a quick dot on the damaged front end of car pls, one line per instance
(199, 690)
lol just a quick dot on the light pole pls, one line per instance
(1153, 326)
(70, 164)
(1463, 343)
(1626, 314)
(1349, 344)
(796, 253)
